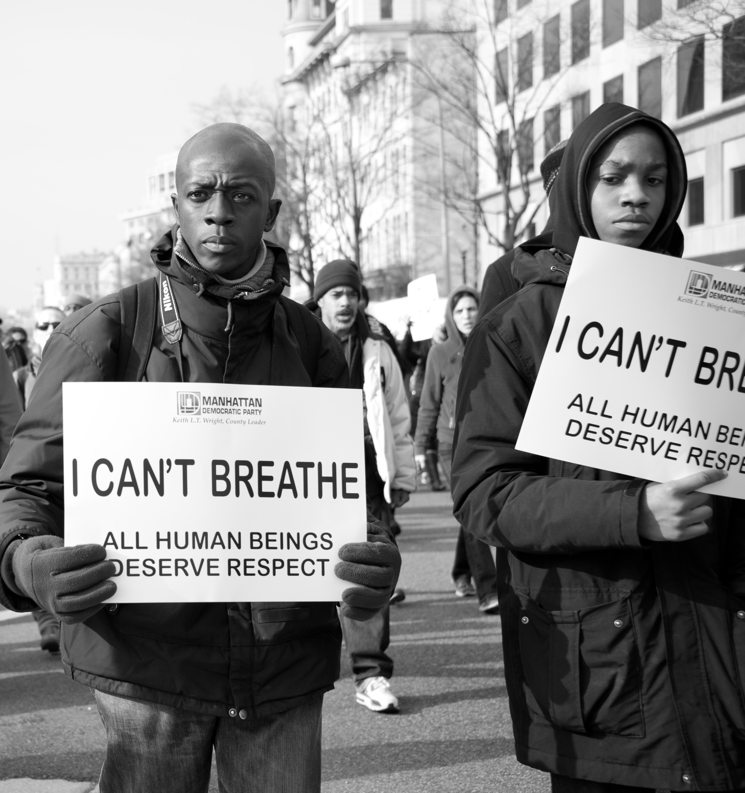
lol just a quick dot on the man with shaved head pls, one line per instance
(174, 682)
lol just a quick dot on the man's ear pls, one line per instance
(272, 213)
(174, 201)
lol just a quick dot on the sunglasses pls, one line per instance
(46, 325)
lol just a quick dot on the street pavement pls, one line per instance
(453, 732)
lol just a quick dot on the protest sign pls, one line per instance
(210, 493)
(424, 307)
(644, 373)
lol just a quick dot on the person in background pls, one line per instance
(473, 558)
(10, 407)
(74, 302)
(622, 600)
(15, 345)
(45, 322)
(390, 473)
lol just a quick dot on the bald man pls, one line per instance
(173, 682)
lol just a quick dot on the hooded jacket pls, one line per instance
(624, 659)
(222, 659)
(444, 361)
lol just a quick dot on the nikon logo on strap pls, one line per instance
(170, 320)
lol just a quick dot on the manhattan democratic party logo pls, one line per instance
(189, 403)
(698, 284)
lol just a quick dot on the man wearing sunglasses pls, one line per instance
(46, 321)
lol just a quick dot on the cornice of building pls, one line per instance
(328, 25)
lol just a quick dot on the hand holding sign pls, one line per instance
(675, 511)
(71, 583)
(374, 566)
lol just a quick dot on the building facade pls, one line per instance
(77, 273)
(555, 62)
(379, 161)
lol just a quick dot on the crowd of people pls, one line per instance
(622, 602)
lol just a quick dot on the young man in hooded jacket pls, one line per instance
(623, 601)
(173, 681)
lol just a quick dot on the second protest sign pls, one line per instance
(644, 373)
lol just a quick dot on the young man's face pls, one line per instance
(224, 206)
(339, 309)
(464, 314)
(626, 186)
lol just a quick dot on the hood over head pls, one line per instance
(570, 205)
(458, 292)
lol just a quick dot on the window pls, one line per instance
(290, 3)
(290, 58)
(580, 108)
(171, 180)
(733, 59)
(580, 30)
(525, 62)
(612, 21)
(738, 191)
(650, 87)
(647, 12)
(691, 77)
(551, 47)
(503, 156)
(696, 202)
(315, 10)
(386, 9)
(522, 3)
(161, 182)
(501, 76)
(525, 146)
(684, 3)
(613, 90)
(551, 128)
(500, 11)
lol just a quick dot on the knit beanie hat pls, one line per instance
(340, 272)
(550, 165)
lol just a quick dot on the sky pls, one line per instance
(92, 93)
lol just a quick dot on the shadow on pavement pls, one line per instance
(351, 762)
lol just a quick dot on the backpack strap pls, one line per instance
(306, 328)
(139, 310)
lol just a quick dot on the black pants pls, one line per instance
(478, 555)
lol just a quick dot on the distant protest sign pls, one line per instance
(644, 373)
(207, 493)
(425, 307)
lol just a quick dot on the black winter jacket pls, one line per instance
(624, 659)
(215, 658)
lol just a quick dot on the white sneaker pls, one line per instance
(376, 695)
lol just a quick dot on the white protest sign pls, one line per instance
(644, 373)
(424, 307)
(211, 493)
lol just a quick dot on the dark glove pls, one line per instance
(71, 583)
(374, 566)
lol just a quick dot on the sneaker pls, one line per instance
(398, 596)
(50, 639)
(464, 587)
(489, 605)
(376, 695)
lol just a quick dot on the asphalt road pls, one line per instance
(453, 732)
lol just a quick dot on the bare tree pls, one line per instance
(720, 22)
(486, 99)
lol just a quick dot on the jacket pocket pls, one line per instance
(581, 668)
